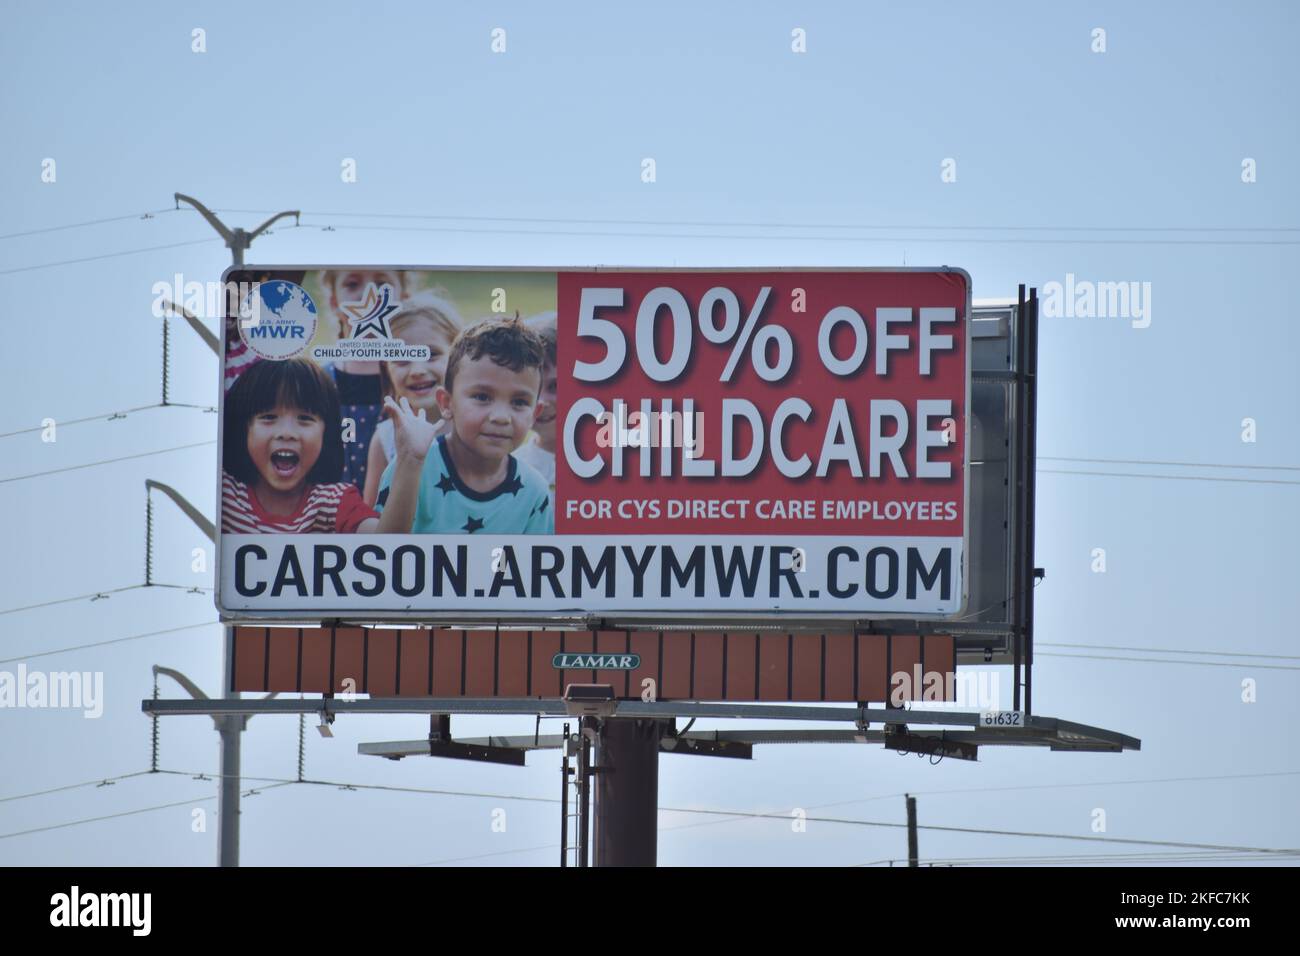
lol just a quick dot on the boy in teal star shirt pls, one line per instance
(467, 479)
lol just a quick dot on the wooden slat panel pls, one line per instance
(742, 650)
(905, 658)
(873, 679)
(446, 663)
(349, 662)
(413, 675)
(381, 663)
(512, 671)
(708, 665)
(839, 667)
(676, 684)
(940, 658)
(250, 658)
(315, 660)
(703, 666)
(480, 663)
(773, 667)
(807, 673)
(645, 644)
(546, 679)
(282, 663)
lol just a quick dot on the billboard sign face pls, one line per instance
(629, 444)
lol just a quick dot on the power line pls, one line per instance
(116, 640)
(124, 813)
(99, 595)
(100, 782)
(774, 225)
(1123, 474)
(105, 461)
(107, 255)
(991, 832)
(107, 417)
(1156, 660)
(793, 238)
(1170, 650)
(1178, 464)
(1190, 856)
(89, 222)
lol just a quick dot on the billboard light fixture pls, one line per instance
(590, 700)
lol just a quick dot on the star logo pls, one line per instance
(445, 484)
(369, 317)
(515, 486)
(472, 525)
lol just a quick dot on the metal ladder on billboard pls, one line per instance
(575, 773)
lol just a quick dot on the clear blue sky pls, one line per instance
(1149, 135)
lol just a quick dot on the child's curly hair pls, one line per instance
(508, 342)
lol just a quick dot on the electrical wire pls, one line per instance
(100, 595)
(116, 640)
(100, 782)
(1124, 474)
(793, 238)
(1171, 464)
(1169, 650)
(770, 225)
(1156, 660)
(125, 813)
(106, 417)
(105, 461)
(108, 255)
(89, 222)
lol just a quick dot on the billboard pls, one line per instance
(470, 445)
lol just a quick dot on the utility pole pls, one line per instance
(913, 857)
(627, 792)
(237, 241)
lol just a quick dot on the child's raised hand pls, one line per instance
(413, 434)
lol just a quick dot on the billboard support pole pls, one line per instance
(1021, 578)
(913, 856)
(230, 728)
(627, 792)
(1032, 574)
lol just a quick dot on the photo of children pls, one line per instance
(282, 455)
(360, 395)
(425, 319)
(470, 479)
(538, 448)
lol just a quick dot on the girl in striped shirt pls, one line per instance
(282, 455)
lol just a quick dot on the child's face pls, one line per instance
(545, 424)
(284, 444)
(418, 381)
(490, 407)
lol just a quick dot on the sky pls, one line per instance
(1128, 164)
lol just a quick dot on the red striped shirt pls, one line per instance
(336, 507)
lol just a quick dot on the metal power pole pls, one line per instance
(913, 856)
(231, 728)
(237, 239)
(627, 792)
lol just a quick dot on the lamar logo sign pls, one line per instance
(596, 662)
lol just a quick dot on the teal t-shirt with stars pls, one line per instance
(521, 504)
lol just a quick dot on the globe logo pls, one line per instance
(277, 319)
